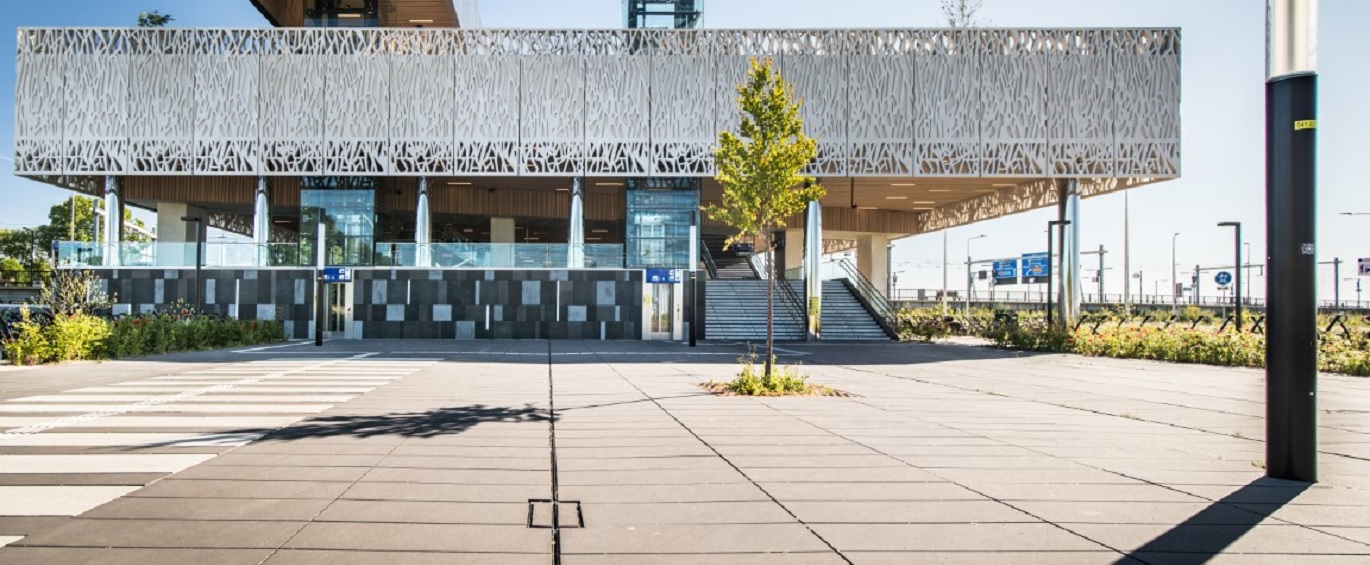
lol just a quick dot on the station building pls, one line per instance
(503, 183)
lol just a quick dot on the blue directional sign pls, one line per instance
(663, 276)
(1036, 267)
(1006, 272)
(337, 274)
(1223, 278)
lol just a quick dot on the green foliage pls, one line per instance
(761, 170)
(83, 336)
(1175, 344)
(76, 336)
(923, 324)
(1025, 338)
(179, 330)
(154, 19)
(786, 380)
(69, 292)
(28, 346)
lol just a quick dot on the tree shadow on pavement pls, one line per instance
(442, 421)
(1205, 535)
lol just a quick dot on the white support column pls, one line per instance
(261, 221)
(813, 275)
(502, 240)
(872, 259)
(175, 236)
(575, 233)
(114, 220)
(423, 228)
(1069, 291)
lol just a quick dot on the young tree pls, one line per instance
(154, 19)
(761, 169)
(962, 13)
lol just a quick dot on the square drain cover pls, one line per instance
(568, 513)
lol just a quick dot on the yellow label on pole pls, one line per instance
(1305, 124)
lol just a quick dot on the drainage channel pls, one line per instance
(546, 512)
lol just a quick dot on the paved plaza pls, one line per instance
(503, 453)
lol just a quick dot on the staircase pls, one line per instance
(736, 310)
(730, 265)
(844, 318)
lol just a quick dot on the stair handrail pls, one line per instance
(764, 266)
(708, 257)
(885, 314)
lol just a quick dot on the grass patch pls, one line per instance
(785, 380)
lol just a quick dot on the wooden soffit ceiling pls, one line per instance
(393, 13)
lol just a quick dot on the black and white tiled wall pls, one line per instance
(497, 304)
(408, 303)
(246, 294)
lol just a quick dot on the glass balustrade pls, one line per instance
(252, 255)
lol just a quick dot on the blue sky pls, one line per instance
(1222, 112)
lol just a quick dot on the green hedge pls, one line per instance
(84, 336)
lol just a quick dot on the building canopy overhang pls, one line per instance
(391, 13)
(918, 129)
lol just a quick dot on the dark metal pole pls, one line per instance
(1237, 265)
(1336, 284)
(1050, 268)
(693, 289)
(1237, 256)
(1291, 356)
(199, 303)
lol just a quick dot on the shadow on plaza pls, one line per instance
(443, 421)
(1205, 535)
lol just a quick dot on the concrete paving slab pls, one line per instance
(465, 538)
(69, 464)
(325, 557)
(693, 539)
(131, 556)
(264, 509)
(427, 512)
(230, 534)
(953, 537)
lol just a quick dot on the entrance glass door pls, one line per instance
(338, 324)
(662, 311)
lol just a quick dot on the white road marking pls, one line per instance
(6, 540)
(101, 463)
(121, 439)
(56, 500)
(187, 421)
(202, 397)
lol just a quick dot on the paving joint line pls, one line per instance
(304, 524)
(552, 447)
(1095, 467)
(725, 459)
(939, 475)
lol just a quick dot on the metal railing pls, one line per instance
(871, 297)
(765, 268)
(1036, 296)
(708, 257)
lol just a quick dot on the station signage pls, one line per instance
(1005, 272)
(1036, 268)
(663, 276)
(337, 275)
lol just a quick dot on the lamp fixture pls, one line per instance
(866, 208)
(896, 198)
(420, 21)
(1002, 185)
(599, 231)
(455, 183)
(349, 16)
(903, 184)
(939, 190)
(563, 190)
(608, 184)
(924, 202)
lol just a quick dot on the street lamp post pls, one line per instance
(1050, 267)
(199, 223)
(969, 280)
(1174, 277)
(1237, 253)
(1291, 132)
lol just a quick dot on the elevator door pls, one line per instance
(663, 307)
(338, 324)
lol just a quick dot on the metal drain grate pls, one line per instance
(568, 513)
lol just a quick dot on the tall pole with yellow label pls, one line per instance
(1291, 357)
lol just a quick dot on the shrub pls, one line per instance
(785, 381)
(27, 346)
(76, 336)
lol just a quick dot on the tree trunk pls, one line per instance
(770, 310)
